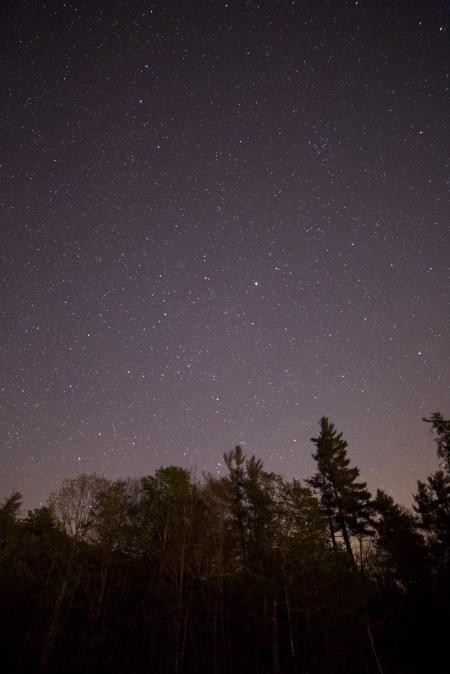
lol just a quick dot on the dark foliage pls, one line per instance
(245, 573)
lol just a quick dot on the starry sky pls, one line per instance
(219, 222)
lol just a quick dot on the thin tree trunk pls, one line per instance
(289, 617)
(56, 617)
(275, 642)
(373, 649)
(332, 530)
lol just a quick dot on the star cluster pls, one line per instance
(221, 221)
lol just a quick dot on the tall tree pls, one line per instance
(73, 506)
(432, 501)
(345, 501)
(441, 427)
(432, 504)
(9, 510)
(401, 548)
(235, 462)
(167, 509)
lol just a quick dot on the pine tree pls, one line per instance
(442, 428)
(401, 547)
(9, 510)
(345, 502)
(432, 501)
(235, 462)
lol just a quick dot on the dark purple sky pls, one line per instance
(221, 221)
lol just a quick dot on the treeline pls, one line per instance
(248, 572)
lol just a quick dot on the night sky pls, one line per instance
(219, 222)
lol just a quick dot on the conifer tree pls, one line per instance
(441, 427)
(235, 462)
(432, 501)
(345, 502)
(9, 510)
(401, 548)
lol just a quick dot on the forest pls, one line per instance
(249, 572)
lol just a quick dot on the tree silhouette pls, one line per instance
(432, 500)
(442, 428)
(240, 572)
(345, 502)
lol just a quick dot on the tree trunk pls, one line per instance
(289, 617)
(57, 610)
(275, 641)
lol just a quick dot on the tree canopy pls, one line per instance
(246, 571)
